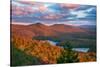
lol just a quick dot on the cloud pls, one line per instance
(51, 12)
(52, 16)
(79, 14)
(16, 10)
(69, 6)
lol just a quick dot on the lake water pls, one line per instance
(74, 49)
(53, 42)
(81, 49)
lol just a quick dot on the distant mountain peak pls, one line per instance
(38, 24)
(62, 25)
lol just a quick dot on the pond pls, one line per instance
(81, 49)
(53, 42)
(74, 49)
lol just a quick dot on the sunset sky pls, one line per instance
(51, 13)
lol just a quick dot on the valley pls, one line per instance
(44, 42)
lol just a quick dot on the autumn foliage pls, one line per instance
(43, 50)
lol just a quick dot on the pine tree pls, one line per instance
(67, 56)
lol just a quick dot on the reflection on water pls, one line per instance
(53, 42)
(74, 49)
(81, 49)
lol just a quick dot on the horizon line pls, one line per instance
(21, 23)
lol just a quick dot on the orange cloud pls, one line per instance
(27, 2)
(43, 8)
(70, 6)
(16, 10)
(40, 6)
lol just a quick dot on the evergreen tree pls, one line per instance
(67, 56)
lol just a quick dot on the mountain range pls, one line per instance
(25, 38)
(40, 29)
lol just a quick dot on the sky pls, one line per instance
(26, 12)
